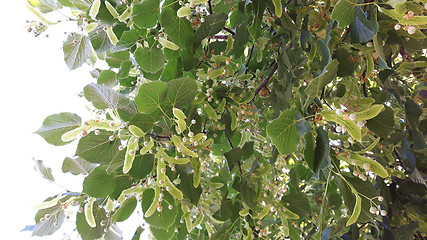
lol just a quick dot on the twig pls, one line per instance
(264, 83)
(229, 30)
(210, 7)
(249, 59)
(220, 37)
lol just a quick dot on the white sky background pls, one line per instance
(35, 83)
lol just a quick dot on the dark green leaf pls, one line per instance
(143, 121)
(383, 123)
(222, 233)
(77, 166)
(233, 157)
(145, 14)
(179, 30)
(247, 193)
(363, 30)
(125, 210)
(86, 231)
(283, 132)
(77, 49)
(181, 91)
(345, 66)
(321, 153)
(309, 151)
(57, 124)
(103, 97)
(150, 59)
(316, 85)
(98, 183)
(98, 148)
(166, 217)
(298, 203)
(150, 96)
(187, 188)
(248, 150)
(212, 25)
(142, 166)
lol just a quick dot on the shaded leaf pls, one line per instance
(212, 25)
(233, 157)
(316, 85)
(142, 166)
(77, 166)
(46, 172)
(383, 123)
(321, 153)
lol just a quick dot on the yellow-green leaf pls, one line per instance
(94, 9)
(356, 211)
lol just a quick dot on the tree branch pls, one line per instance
(264, 83)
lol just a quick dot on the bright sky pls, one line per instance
(35, 83)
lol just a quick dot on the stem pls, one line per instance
(210, 7)
(249, 59)
(264, 83)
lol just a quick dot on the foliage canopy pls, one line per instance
(244, 119)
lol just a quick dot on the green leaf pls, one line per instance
(247, 192)
(142, 166)
(345, 66)
(107, 78)
(115, 59)
(298, 203)
(316, 85)
(179, 30)
(150, 96)
(124, 70)
(233, 157)
(222, 233)
(128, 39)
(79, 4)
(47, 227)
(321, 153)
(98, 148)
(162, 234)
(181, 91)
(150, 59)
(45, 6)
(283, 132)
(166, 217)
(344, 12)
(103, 97)
(145, 14)
(309, 151)
(383, 124)
(57, 124)
(77, 166)
(212, 25)
(126, 209)
(86, 231)
(143, 121)
(98, 183)
(186, 186)
(46, 172)
(77, 49)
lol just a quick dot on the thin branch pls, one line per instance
(249, 58)
(229, 30)
(210, 7)
(264, 83)
(220, 37)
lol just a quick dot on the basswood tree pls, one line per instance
(244, 119)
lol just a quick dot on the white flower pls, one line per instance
(339, 111)
(373, 210)
(352, 117)
(360, 124)
(397, 27)
(412, 30)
